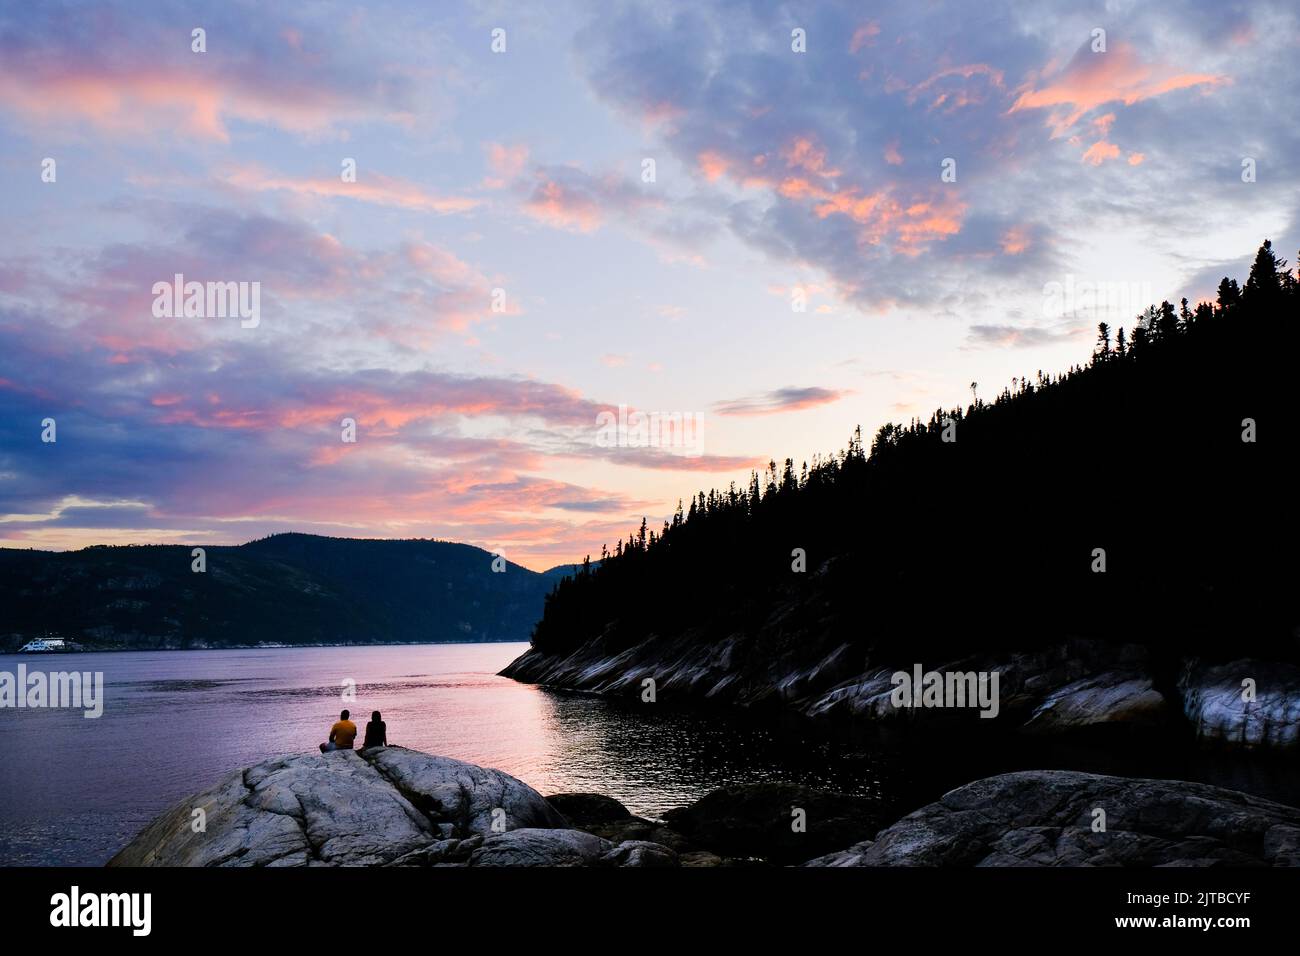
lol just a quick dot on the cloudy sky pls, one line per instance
(509, 263)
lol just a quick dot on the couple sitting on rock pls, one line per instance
(345, 731)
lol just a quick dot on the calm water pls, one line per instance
(73, 791)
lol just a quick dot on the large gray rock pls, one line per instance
(1108, 698)
(342, 808)
(606, 817)
(1045, 818)
(588, 808)
(536, 847)
(759, 820)
(462, 799)
(1214, 701)
(1064, 687)
(541, 848)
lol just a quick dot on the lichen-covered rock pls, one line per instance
(1046, 818)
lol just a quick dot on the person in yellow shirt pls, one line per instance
(342, 734)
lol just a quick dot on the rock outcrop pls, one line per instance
(1245, 703)
(538, 847)
(779, 822)
(397, 807)
(1075, 686)
(379, 806)
(1110, 697)
(1046, 818)
(606, 817)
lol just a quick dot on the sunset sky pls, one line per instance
(522, 171)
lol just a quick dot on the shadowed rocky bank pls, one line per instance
(1074, 686)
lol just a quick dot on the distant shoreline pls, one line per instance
(258, 647)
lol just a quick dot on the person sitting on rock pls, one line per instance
(341, 735)
(376, 732)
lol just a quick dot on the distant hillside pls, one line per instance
(1169, 455)
(288, 588)
(567, 570)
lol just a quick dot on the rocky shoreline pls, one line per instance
(389, 806)
(1072, 686)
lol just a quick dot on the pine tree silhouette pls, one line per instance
(918, 547)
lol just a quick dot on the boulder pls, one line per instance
(534, 847)
(640, 853)
(1111, 697)
(581, 809)
(606, 817)
(757, 820)
(459, 798)
(343, 809)
(1045, 818)
(531, 847)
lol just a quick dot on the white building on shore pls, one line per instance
(44, 644)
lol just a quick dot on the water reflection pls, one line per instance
(653, 757)
(74, 791)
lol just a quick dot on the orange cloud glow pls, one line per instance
(1099, 152)
(1095, 79)
(555, 205)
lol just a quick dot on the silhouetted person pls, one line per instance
(341, 735)
(376, 732)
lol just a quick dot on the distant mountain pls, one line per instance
(566, 570)
(288, 588)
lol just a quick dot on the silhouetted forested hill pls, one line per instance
(917, 545)
(289, 588)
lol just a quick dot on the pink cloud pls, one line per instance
(505, 163)
(952, 96)
(369, 187)
(781, 400)
(1099, 152)
(1096, 79)
(1015, 240)
(804, 153)
(557, 205)
(863, 35)
(145, 99)
(712, 164)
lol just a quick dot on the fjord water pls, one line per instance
(74, 790)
